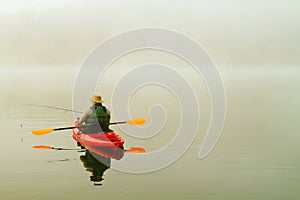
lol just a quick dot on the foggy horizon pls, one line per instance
(63, 33)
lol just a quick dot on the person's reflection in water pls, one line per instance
(95, 164)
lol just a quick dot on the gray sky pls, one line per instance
(63, 32)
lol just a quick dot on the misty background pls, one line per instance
(57, 36)
(63, 32)
(254, 45)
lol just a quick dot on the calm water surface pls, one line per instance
(257, 156)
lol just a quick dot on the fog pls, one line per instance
(255, 46)
(234, 33)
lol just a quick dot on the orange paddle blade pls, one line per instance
(136, 121)
(42, 147)
(43, 131)
(136, 150)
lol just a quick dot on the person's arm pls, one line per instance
(84, 116)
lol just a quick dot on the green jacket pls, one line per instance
(99, 115)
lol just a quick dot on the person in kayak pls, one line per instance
(96, 119)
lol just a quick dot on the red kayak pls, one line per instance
(108, 144)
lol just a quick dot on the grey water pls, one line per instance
(256, 157)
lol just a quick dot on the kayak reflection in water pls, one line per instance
(96, 119)
(97, 165)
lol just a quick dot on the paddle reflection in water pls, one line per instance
(96, 162)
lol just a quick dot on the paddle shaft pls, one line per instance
(71, 127)
(117, 123)
(58, 148)
(66, 128)
(49, 130)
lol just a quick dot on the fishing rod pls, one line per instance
(56, 108)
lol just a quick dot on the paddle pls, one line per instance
(54, 148)
(131, 150)
(136, 150)
(133, 122)
(49, 130)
